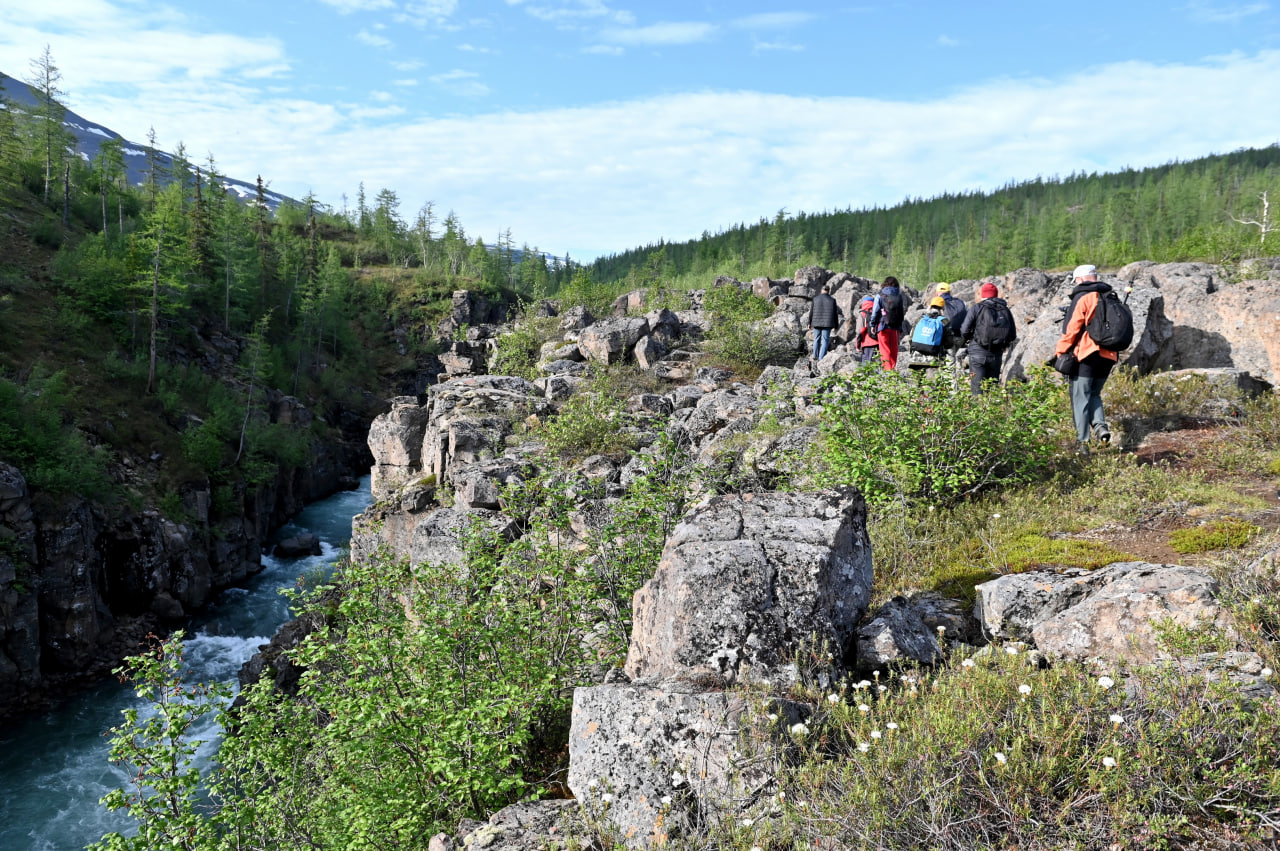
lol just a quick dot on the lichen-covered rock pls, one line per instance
(526, 826)
(658, 761)
(895, 635)
(746, 580)
(648, 351)
(612, 340)
(1117, 612)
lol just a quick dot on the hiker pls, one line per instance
(887, 315)
(955, 310)
(931, 339)
(864, 335)
(824, 316)
(988, 330)
(953, 307)
(1093, 362)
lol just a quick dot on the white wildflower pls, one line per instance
(995, 516)
(1024, 689)
(864, 746)
(1105, 682)
(875, 734)
(863, 684)
(591, 784)
(892, 725)
(1117, 719)
(882, 688)
(773, 716)
(676, 778)
(968, 663)
(746, 822)
(799, 729)
(862, 707)
(1000, 758)
(1011, 650)
(607, 798)
(666, 800)
(1265, 672)
(941, 630)
(833, 698)
(1108, 762)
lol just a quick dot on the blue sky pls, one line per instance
(592, 126)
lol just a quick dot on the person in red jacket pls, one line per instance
(1093, 364)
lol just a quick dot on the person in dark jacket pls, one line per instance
(824, 316)
(984, 361)
(1093, 363)
(887, 315)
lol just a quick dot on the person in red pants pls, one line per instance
(887, 315)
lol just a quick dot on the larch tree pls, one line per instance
(50, 112)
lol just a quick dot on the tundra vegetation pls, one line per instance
(436, 693)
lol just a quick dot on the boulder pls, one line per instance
(610, 341)
(896, 635)
(809, 280)
(297, 546)
(1113, 613)
(526, 826)
(657, 761)
(746, 580)
(648, 351)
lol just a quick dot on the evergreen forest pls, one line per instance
(1214, 208)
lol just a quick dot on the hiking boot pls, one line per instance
(1102, 434)
(1082, 449)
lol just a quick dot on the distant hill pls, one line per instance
(90, 135)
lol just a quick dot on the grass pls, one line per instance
(1227, 533)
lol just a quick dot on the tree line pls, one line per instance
(1214, 208)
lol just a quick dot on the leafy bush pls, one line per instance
(584, 290)
(589, 423)
(518, 349)
(431, 692)
(35, 435)
(1227, 533)
(899, 439)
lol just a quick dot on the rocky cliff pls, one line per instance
(81, 585)
(768, 589)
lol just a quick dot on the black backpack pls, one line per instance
(1112, 324)
(894, 308)
(993, 329)
(955, 310)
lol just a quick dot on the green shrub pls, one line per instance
(37, 436)
(899, 439)
(1227, 533)
(517, 350)
(589, 423)
(995, 753)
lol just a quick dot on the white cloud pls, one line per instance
(405, 82)
(1206, 11)
(763, 46)
(948, 41)
(411, 65)
(459, 82)
(346, 7)
(568, 12)
(372, 39)
(604, 49)
(423, 12)
(666, 33)
(773, 20)
(471, 48)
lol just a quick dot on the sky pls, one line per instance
(588, 127)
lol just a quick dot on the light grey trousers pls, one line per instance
(1086, 405)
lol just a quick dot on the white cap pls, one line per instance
(1086, 269)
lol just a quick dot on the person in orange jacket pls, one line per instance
(1093, 363)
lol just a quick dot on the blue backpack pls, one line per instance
(926, 337)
